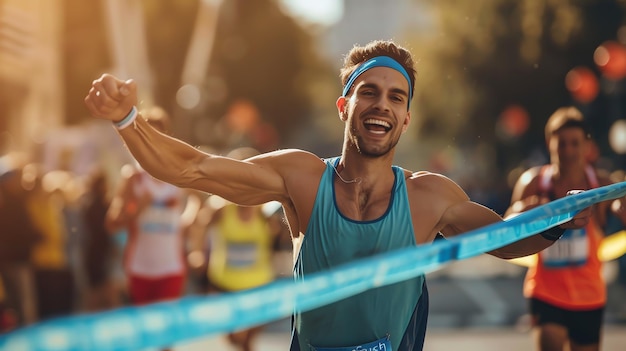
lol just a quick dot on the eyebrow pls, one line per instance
(394, 90)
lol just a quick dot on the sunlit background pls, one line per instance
(264, 73)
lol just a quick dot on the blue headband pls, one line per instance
(379, 61)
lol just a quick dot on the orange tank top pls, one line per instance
(568, 273)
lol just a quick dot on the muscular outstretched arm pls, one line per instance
(470, 215)
(247, 182)
(464, 215)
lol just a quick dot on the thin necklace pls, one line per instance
(355, 180)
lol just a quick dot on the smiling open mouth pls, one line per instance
(377, 126)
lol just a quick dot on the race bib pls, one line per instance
(159, 220)
(570, 251)
(383, 344)
(241, 255)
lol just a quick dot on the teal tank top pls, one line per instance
(331, 240)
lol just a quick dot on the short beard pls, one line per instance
(357, 142)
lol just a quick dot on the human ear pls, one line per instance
(407, 121)
(341, 107)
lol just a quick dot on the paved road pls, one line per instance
(436, 340)
(456, 308)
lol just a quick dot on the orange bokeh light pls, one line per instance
(610, 57)
(582, 83)
(514, 120)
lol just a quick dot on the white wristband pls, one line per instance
(128, 120)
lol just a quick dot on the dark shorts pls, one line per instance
(55, 292)
(583, 327)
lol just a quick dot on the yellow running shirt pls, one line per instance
(240, 255)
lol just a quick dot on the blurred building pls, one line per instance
(40, 41)
(30, 64)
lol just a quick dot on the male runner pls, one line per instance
(341, 209)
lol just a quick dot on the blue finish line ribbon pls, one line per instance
(193, 317)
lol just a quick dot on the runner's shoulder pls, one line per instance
(295, 160)
(433, 182)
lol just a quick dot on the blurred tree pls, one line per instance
(86, 53)
(483, 56)
(265, 57)
(260, 55)
(169, 25)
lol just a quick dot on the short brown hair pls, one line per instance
(360, 54)
(566, 117)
